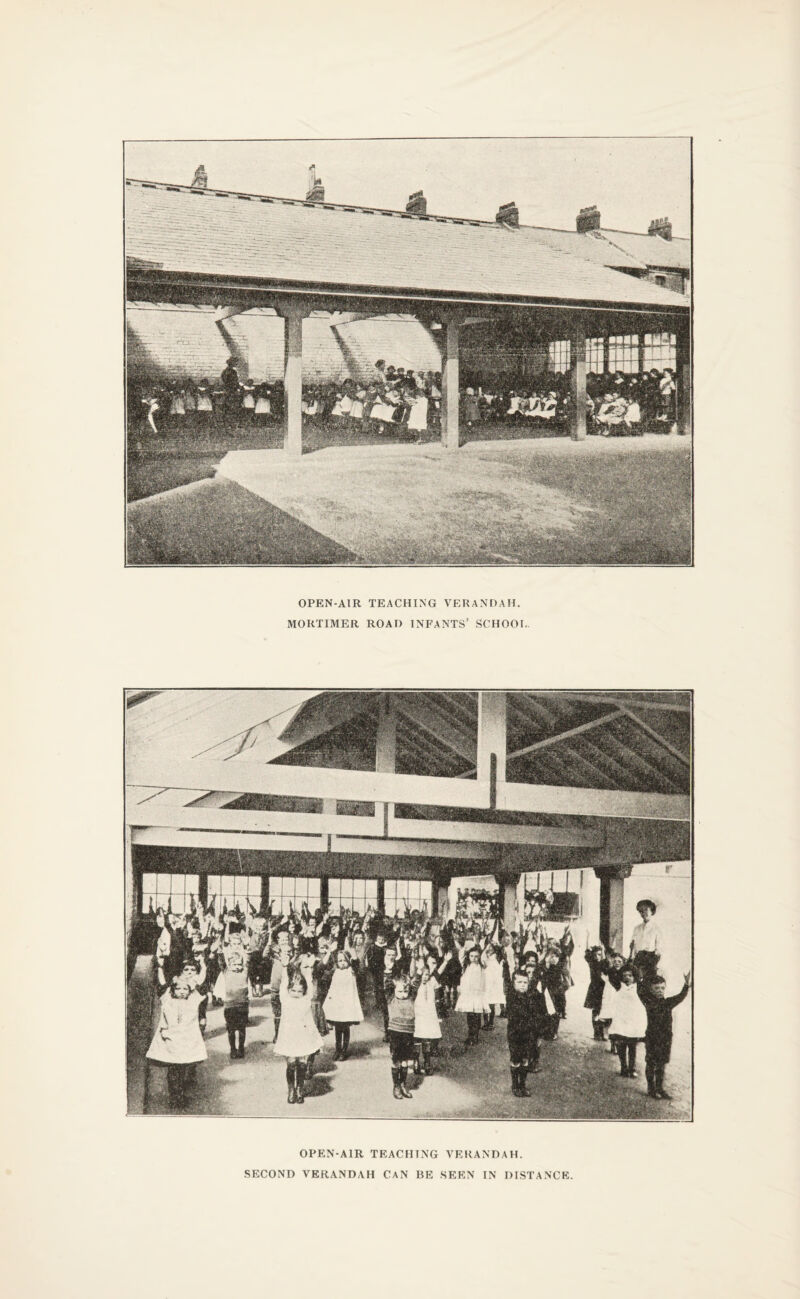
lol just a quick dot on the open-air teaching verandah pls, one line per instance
(235, 252)
(270, 786)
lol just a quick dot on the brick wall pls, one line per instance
(166, 344)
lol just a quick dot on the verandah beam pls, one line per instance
(440, 791)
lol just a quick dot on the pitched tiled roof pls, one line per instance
(217, 233)
(670, 254)
(592, 248)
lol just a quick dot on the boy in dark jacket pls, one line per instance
(658, 1038)
(526, 1016)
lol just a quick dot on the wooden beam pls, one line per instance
(417, 848)
(571, 801)
(566, 735)
(549, 836)
(225, 313)
(207, 818)
(669, 700)
(166, 837)
(371, 787)
(245, 777)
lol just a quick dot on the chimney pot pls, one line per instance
(200, 178)
(417, 204)
(508, 215)
(662, 226)
(316, 190)
(587, 219)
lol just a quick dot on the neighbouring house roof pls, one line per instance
(664, 254)
(593, 248)
(181, 231)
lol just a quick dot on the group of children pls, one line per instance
(628, 1002)
(406, 403)
(319, 969)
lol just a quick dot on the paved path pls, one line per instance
(621, 501)
(579, 1079)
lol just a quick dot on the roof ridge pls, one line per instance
(643, 234)
(380, 211)
(304, 203)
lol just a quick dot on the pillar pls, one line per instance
(293, 382)
(323, 891)
(381, 895)
(683, 380)
(450, 381)
(492, 742)
(577, 377)
(508, 900)
(441, 892)
(640, 356)
(612, 904)
(606, 352)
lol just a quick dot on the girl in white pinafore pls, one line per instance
(472, 995)
(176, 405)
(628, 1022)
(263, 405)
(205, 406)
(249, 398)
(342, 1006)
(427, 1028)
(298, 1036)
(494, 991)
(178, 1042)
(418, 419)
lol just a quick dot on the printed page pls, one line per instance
(457, 688)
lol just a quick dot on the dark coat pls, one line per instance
(658, 1037)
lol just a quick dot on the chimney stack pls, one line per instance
(508, 215)
(417, 204)
(316, 191)
(587, 219)
(200, 180)
(662, 226)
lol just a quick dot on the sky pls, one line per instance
(632, 180)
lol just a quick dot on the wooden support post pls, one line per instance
(612, 904)
(441, 890)
(323, 891)
(683, 380)
(640, 354)
(380, 901)
(450, 381)
(386, 749)
(508, 899)
(492, 744)
(293, 382)
(578, 380)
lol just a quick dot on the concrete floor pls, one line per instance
(579, 1078)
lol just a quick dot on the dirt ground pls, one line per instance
(579, 1078)
(501, 502)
